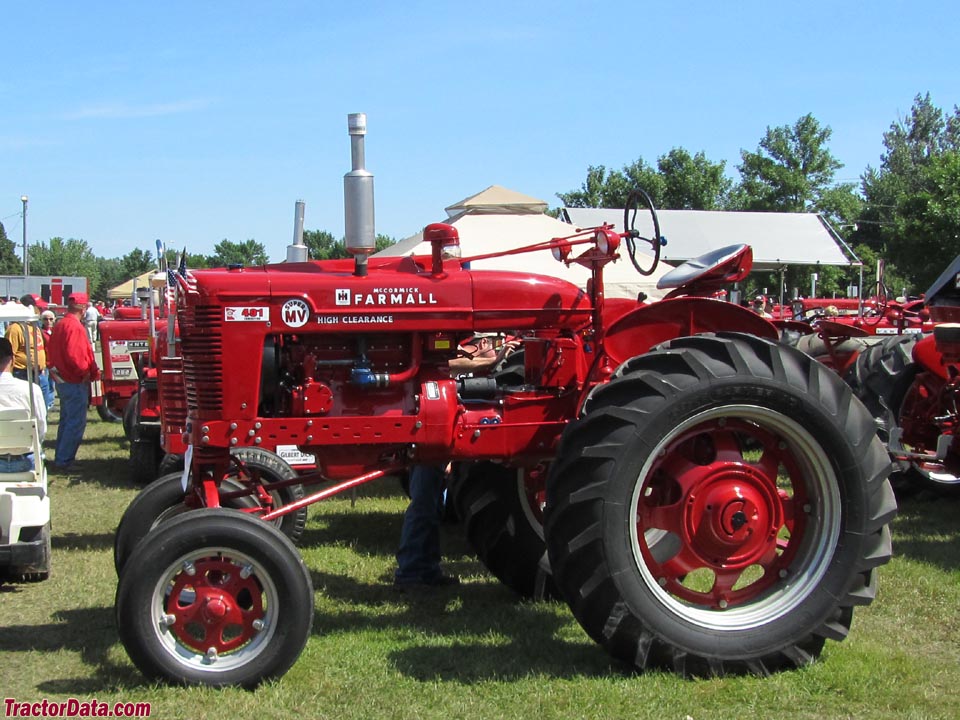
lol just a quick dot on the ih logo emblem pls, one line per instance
(343, 297)
(295, 313)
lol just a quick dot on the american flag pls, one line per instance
(183, 278)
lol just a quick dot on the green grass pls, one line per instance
(469, 652)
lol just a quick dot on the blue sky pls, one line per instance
(198, 121)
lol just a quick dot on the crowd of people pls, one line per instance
(52, 358)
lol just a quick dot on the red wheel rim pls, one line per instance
(735, 505)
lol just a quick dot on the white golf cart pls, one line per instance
(24, 501)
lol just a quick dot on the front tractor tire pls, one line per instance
(164, 499)
(720, 507)
(216, 598)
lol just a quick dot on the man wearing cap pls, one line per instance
(418, 557)
(73, 366)
(38, 354)
(15, 393)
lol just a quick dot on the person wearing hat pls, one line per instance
(418, 557)
(38, 354)
(73, 367)
(16, 393)
(47, 319)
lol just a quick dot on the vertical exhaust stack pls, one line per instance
(358, 198)
(297, 252)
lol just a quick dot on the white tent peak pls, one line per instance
(497, 200)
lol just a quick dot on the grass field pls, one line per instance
(467, 652)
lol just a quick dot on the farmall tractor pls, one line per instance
(711, 501)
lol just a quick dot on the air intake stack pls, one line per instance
(297, 252)
(358, 198)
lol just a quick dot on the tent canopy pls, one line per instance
(777, 239)
(124, 291)
(497, 200)
(498, 226)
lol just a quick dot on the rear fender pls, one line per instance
(640, 330)
(928, 356)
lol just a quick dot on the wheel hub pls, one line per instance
(732, 516)
(215, 608)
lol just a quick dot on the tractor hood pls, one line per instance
(398, 294)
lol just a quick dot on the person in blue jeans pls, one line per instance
(73, 366)
(16, 393)
(418, 557)
(47, 319)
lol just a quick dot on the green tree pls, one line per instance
(600, 189)
(137, 262)
(927, 221)
(10, 264)
(912, 145)
(680, 181)
(111, 273)
(692, 182)
(64, 257)
(792, 170)
(323, 246)
(247, 253)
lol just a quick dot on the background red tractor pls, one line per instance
(123, 339)
(712, 501)
(910, 383)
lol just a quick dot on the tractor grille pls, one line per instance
(173, 399)
(201, 335)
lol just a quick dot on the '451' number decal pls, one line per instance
(246, 314)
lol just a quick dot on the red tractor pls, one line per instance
(910, 383)
(705, 499)
(123, 339)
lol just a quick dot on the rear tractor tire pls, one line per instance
(501, 510)
(721, 507)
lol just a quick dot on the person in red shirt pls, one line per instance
(73, 367)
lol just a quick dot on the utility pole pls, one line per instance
(26, 258)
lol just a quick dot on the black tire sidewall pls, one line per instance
(618, 515)
(142, 513)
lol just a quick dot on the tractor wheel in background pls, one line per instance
(131, 414)
(107, 414)
(172, 462)
(721, 507)
(216, 598)
(145, 456)
(878, 376)
(501, 510)
(164, 499)
(915, 404)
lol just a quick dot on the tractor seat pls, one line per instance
(702, 266)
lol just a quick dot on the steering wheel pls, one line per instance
(880, 292)
(631, 233)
